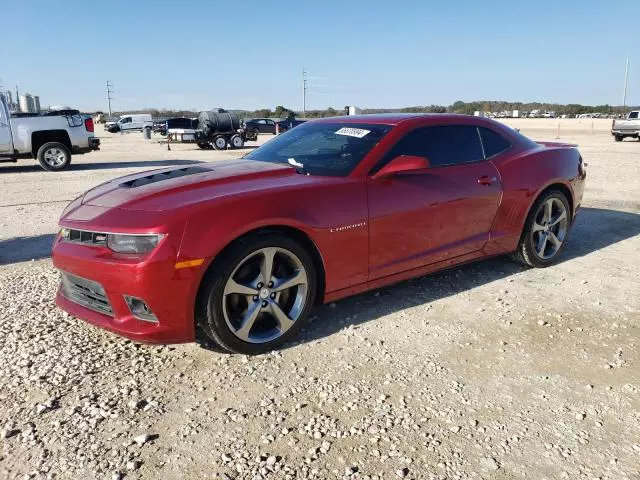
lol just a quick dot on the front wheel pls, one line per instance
(54, 156)
(258, 295)
(545, 231)
(618, 138)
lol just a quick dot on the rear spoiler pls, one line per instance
(557, 144)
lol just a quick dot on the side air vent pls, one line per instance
(159, 177)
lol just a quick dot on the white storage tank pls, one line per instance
(27, 103)
(24, 104)
(36, 103)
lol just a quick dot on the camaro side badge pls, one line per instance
(348, 227)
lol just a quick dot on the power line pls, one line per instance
(109, 97)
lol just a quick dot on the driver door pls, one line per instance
(445, 211)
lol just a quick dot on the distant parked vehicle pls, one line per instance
(626, 128)
(261, 125)
(289, 123)
(131, 122)
(50, 138)
(175, 123)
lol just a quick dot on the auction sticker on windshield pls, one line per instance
(353, 132)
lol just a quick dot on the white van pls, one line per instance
(135, 122)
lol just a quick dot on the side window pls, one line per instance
(270, 122)
(262, 122)
(633, 115)
(126, 120)
(492, 142)
(442, 145)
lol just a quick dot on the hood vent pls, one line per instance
(159, 177)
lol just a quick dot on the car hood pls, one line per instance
(171, 188)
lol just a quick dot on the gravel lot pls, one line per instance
(484, 371)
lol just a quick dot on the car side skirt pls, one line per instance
(408, 274)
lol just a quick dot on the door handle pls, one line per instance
(485, 180)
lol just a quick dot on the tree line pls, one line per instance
(281, 111)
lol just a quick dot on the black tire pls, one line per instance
(219, 142)
(526, 253)
(54, 156)
(618, 138)
(205, 146)
(236, 141)
(210, 317)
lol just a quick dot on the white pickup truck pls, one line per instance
(627, 128)
(50, 138)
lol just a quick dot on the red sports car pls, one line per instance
(236, 253)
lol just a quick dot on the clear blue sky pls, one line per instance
(249, 54)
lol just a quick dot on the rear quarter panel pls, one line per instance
(524, 177)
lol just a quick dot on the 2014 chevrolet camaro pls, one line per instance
(236, 253)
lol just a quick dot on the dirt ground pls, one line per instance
(485, 371)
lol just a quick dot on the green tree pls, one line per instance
(281, 111)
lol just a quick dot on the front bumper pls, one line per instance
(170, 293)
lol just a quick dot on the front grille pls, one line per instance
(85, 292)
(86, 237)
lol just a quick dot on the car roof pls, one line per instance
(393, 118)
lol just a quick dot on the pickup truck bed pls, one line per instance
(626, 128)
(50, 138)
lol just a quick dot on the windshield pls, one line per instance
(331, 149)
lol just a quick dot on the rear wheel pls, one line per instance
(237, 141)
(54, 156)
(258, 295)
(220, 143)
(545, 232)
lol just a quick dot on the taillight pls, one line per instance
(88, 124)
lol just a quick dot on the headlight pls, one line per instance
(133, 243)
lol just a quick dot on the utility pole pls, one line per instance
(304, 93)
(624, 92)
(109, 97)
(18, 109)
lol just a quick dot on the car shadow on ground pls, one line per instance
(35, 167)
(21, 249)
(594, 229)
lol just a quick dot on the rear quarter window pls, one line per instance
(493, 143)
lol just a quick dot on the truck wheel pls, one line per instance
(204, 146)
(618, 138)
(237, 141)
(220, 143)
(54, 156)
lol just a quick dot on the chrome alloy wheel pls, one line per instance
(550, 227)
(265, 294)
(54, 157)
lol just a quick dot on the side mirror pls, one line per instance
(402, 164)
